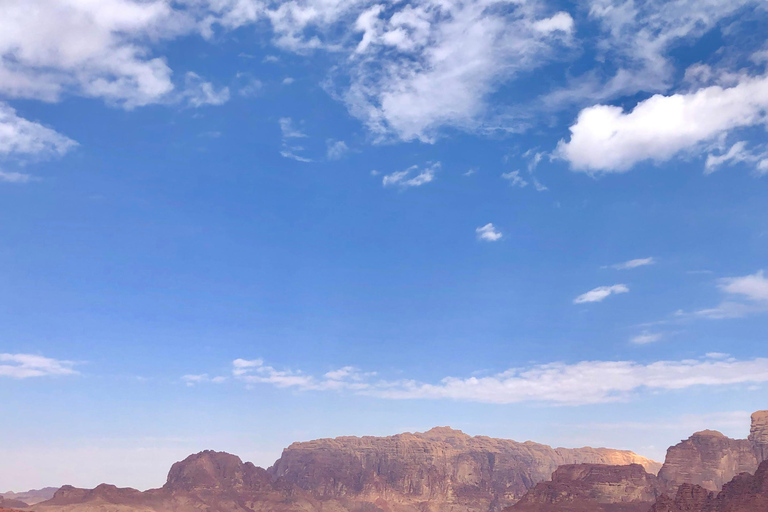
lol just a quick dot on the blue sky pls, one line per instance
(235, 224)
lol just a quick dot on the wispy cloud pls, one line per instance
(746, 295)
(200, 93)
(411, 177)
(288, 148)
(640, 262)
(191, 380)
(646, 338)
(557, 383)
(23, 366)
(600, 293)
(488, 233)
(336, 149)
(514, 179)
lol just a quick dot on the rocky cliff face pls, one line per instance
(593, 488)
(758, 434)
(710, 459)
(745, 493)
(440, 468)
(12, 503)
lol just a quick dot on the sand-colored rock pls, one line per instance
(593, 488)
(708, 459)
(758, 434)
(745, 493)
(31, 497)
(442, 468)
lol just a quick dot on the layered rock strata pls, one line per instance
(593, 488)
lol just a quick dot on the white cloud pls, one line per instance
(515, 179)
(191, 380)
(256, 372)
(585, 382)
(336, 149)
(424, 65)
(646, 338)
(746, 295)
(23, 366)
(199, 93)
(634, 44)
(737, 153)
(488, 233)
(600, 293)
(607, 139)
(640, 262)
(288, 80)
(407, 178)
(21, 137)
(15, 177)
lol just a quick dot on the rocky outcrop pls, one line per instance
(210, 481)
(593, 488)
(758, 434)
(708, 459)
(745, 493)
(442, 467)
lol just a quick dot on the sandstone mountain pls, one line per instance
(710, 459)
(439, 466)
(593, 488)
(11, 503)
(442, 470)
(745, 493)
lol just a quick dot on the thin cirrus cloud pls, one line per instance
(585, 382)
(606, 139)
(288, 146)
(414, 176)
(488, 233)
(646, 338)
(745, 295)
(24, 366)
(600, 293)
(639, 262)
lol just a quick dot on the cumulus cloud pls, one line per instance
(607, 139)
(21, 137)
(639, 262)
(585, 382)
(24, 366)
(412, 176)
(600, 293)
(488, 233)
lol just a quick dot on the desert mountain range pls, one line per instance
(445, 470)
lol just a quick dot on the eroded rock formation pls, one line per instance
(745, 493)
(710, 459)
(441, 466)
(593, 488)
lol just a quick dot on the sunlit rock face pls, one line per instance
(442, 467)
(708, 459)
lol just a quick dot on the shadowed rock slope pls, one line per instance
(745, 493)
(593, 488)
